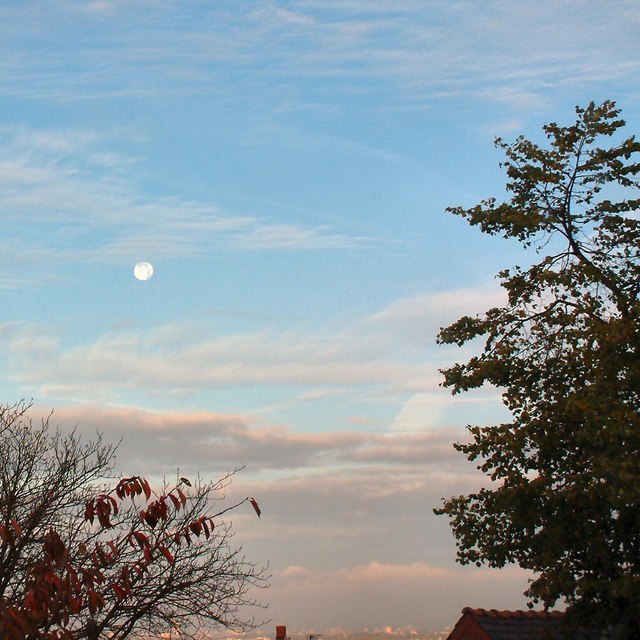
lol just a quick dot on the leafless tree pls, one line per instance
(85, 556)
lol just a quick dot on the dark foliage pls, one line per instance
(564, 500)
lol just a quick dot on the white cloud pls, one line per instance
(421, 411)
(416, 320)
(392, 351)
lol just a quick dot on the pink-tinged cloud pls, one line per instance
(217, 438)
(346, 517)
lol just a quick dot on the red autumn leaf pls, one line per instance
(121, 488)
(54, 548)
(255, 506)
(103, 515)
(149, 518)
(121, 594)
(132, 487)
(166, 553)
(89, 511)
(183, 498)
(141, 539)
(152, 521)
(75, 604)
(146, 488)
(109, 502)
(157, 510)
(30, 603)
(71, 578)
(125, 576)
(95, 601)
(147, 555)
(176, 502)
(102, 555)
(16, 527)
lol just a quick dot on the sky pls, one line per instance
(286, 167)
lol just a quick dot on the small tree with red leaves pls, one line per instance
(83, 559)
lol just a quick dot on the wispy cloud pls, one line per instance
(392, 351)
(67, 178)
(416, 48)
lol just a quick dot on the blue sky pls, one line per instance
(285, 166)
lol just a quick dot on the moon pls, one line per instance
(143, 270)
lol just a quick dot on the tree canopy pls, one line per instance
(564, 494)
(85, 556)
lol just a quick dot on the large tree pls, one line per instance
(563, 498)
(85, 556)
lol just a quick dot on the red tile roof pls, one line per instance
(492, 624)
(494, 613)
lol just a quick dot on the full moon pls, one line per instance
(143, 270)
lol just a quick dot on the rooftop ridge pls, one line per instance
(519, 614)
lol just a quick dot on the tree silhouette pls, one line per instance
(564, 500)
